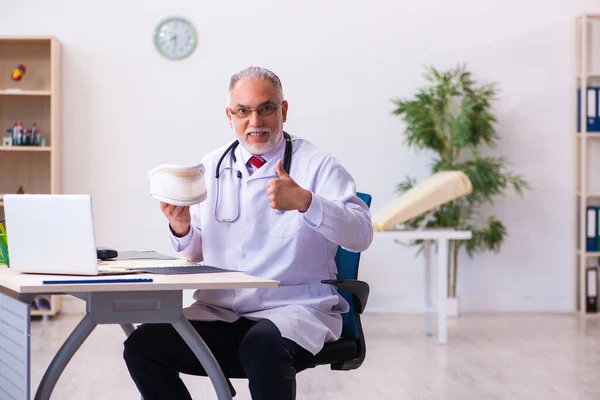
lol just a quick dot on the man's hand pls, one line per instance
(285, 194)
(179, 218)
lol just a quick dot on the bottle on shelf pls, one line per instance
(15, 133)
(20, 138)
(26, 137)
(35, 135)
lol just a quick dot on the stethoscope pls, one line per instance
(287, 162)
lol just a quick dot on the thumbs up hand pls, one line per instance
(285, 194)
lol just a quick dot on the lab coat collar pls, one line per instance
(268, 169)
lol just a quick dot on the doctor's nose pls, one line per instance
(256, 120)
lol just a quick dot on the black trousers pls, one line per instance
(155, 354)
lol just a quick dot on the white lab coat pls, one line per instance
(296, 249)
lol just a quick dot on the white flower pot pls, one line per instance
(452, 307)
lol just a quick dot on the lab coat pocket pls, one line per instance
(283, 225)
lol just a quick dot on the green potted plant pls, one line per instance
(451, 119)
(3, 245)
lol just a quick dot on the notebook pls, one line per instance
(178, 269)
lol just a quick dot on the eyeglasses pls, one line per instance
(263, 111)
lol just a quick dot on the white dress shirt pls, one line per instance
(297, 249)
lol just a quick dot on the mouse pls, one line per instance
(104, 253)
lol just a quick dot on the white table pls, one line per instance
(107, 303)
(442, 237)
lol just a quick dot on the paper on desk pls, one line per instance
(142, 255)
(136, 263)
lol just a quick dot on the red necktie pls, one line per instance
(257, 162)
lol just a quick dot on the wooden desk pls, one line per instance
(442, 237)
(32, 283)
(113, 303)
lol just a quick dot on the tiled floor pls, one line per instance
(487, 357)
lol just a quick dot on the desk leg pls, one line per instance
(128, 329)
(442, 283)
(62, 358)
(428, 302)
(204, 355)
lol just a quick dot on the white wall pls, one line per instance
(126, 109)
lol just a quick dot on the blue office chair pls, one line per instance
(348, 352)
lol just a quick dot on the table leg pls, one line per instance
(128, 329)
(204, 355)
(127, 308)
(428, 302)
(63, 356)
(442, 283)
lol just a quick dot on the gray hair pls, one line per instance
(258, 74)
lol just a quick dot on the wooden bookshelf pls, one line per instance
(55, 306)
(589, 253)
(25, 93)
(36, 98)
(25, 148)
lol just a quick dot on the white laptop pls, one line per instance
(52, 234)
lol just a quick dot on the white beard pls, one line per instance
(262, 148)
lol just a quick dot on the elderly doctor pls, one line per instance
(263, 221)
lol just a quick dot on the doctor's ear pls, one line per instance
(228, 114)
(284, 109)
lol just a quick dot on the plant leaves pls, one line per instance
(451, 119)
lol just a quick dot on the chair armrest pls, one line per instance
(359, 289)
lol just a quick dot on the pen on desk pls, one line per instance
(127, 280)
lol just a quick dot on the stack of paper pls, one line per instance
(433, 192)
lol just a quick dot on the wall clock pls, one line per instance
(175, 38)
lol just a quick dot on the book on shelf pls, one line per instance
(591, 292)
(592, 114)
(592, 229)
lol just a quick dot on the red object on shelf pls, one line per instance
(18, 73)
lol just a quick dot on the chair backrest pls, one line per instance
(347, 267)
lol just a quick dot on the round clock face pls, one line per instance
(175, 38)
